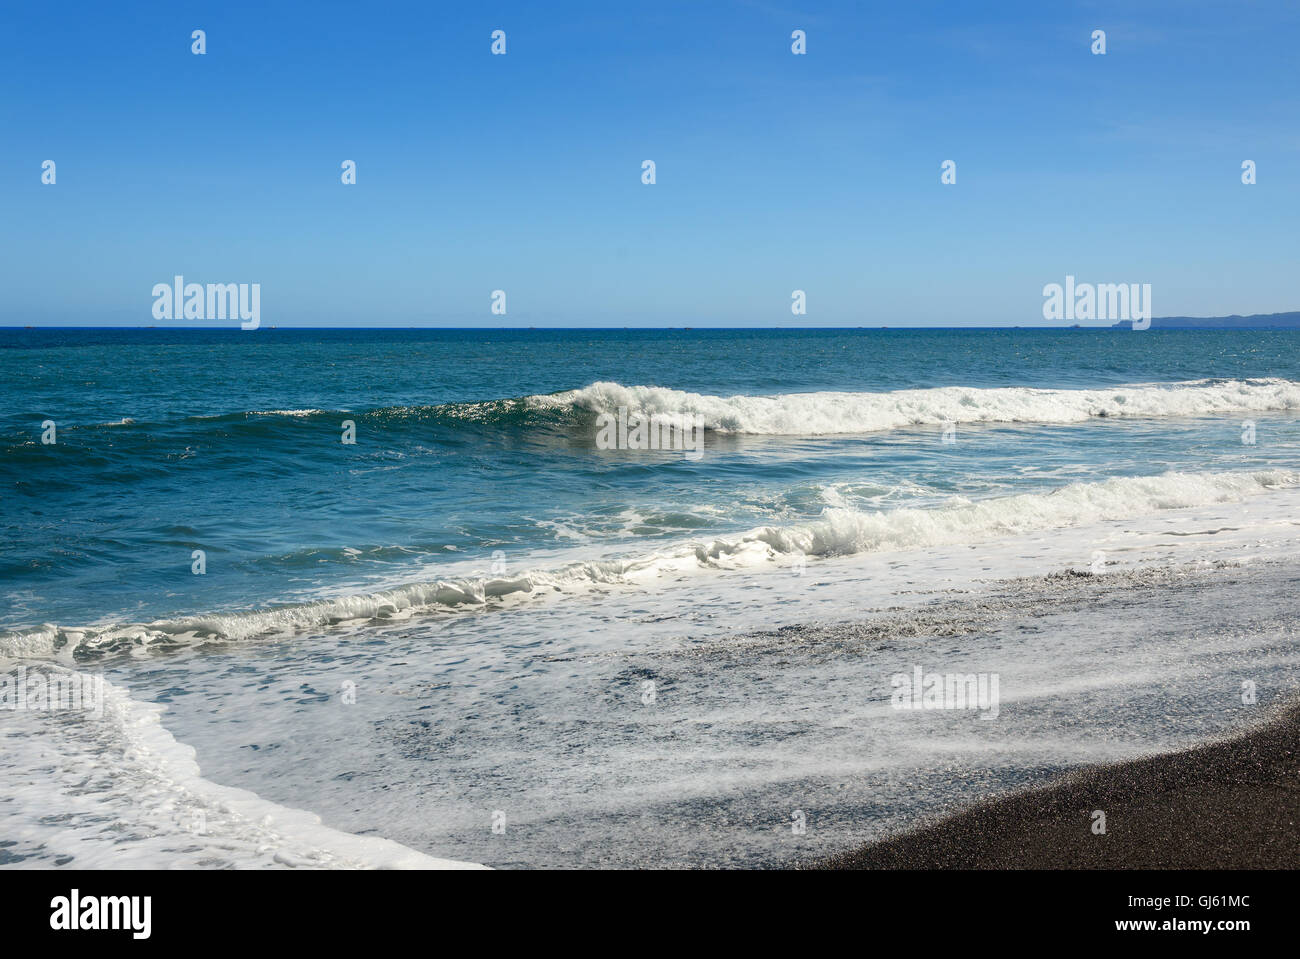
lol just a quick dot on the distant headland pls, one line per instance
(1256, 321)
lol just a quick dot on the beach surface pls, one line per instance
(754, 748)
(1225, 805)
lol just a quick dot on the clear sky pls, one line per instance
(522, 172)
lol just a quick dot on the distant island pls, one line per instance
(1257, 321)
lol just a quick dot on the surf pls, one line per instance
(826, 413)
(838, 531)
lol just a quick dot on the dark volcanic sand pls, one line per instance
(1227, 805)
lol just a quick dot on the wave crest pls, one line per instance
(804, 414)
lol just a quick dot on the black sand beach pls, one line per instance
(1227, 805)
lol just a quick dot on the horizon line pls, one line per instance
(536, 329)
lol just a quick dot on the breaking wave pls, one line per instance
(787, 414)
(803, 414)
(838, 531)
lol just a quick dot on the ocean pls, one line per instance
(381, 597)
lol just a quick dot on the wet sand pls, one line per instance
(1233, 804)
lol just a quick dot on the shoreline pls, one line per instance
(1228, 804)
(748, 728)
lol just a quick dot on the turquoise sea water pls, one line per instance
(229, 442)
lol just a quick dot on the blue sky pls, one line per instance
(522, 172)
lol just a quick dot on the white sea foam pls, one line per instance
(308, 412)
(808, 414)
(838, 531)
(120, 791)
